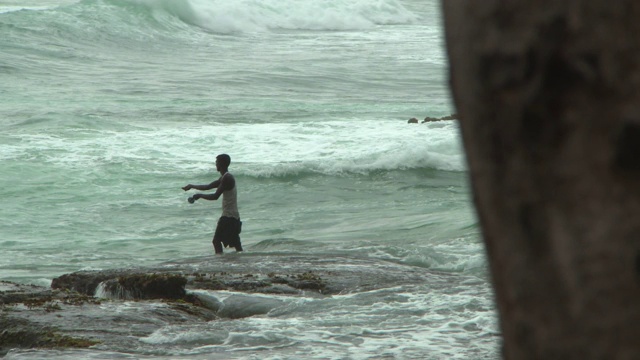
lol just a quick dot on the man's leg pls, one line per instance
(217, 237)
(217, 246)
(238, 230)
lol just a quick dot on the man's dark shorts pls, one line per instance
(227, 233)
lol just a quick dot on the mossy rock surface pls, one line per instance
(21, 333)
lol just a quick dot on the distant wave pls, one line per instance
(228, 16)
(135, 17)
(353, 161)
(359, 166)
(333, 147)
(258, 150)
(18, 5)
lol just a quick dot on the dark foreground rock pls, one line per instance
(550, 109)
(114, 309)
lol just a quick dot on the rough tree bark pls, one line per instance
(548, 96)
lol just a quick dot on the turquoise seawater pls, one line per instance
(108, 107)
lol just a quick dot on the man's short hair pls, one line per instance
(224, 160)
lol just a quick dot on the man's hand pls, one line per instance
(187, 188)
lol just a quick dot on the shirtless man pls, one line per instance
(229, 225)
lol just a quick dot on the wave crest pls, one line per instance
(232, 16)
(364, 166)
(121, 21)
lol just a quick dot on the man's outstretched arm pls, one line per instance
(213, 185)
(227, 183)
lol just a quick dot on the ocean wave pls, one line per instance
(19, 5)
(231, 16)
(135, 17)
(258, 150)
(343, 147)
(365, 165)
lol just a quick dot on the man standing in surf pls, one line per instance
(229, 225)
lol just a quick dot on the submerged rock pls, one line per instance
(21, 333)
(38, 317)
(433, 119)
(241, 306)
(133, 304)
(450, 117)
(18, 330)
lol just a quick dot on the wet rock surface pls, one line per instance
(433, 119)
(114, 309)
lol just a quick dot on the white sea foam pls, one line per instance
(227, 16)
(35, 5)
(191, 334)
(261, 150)
(119, 293)
(399, 322)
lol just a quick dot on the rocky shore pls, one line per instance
(115, 309)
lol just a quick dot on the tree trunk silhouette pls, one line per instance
(548, 97)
